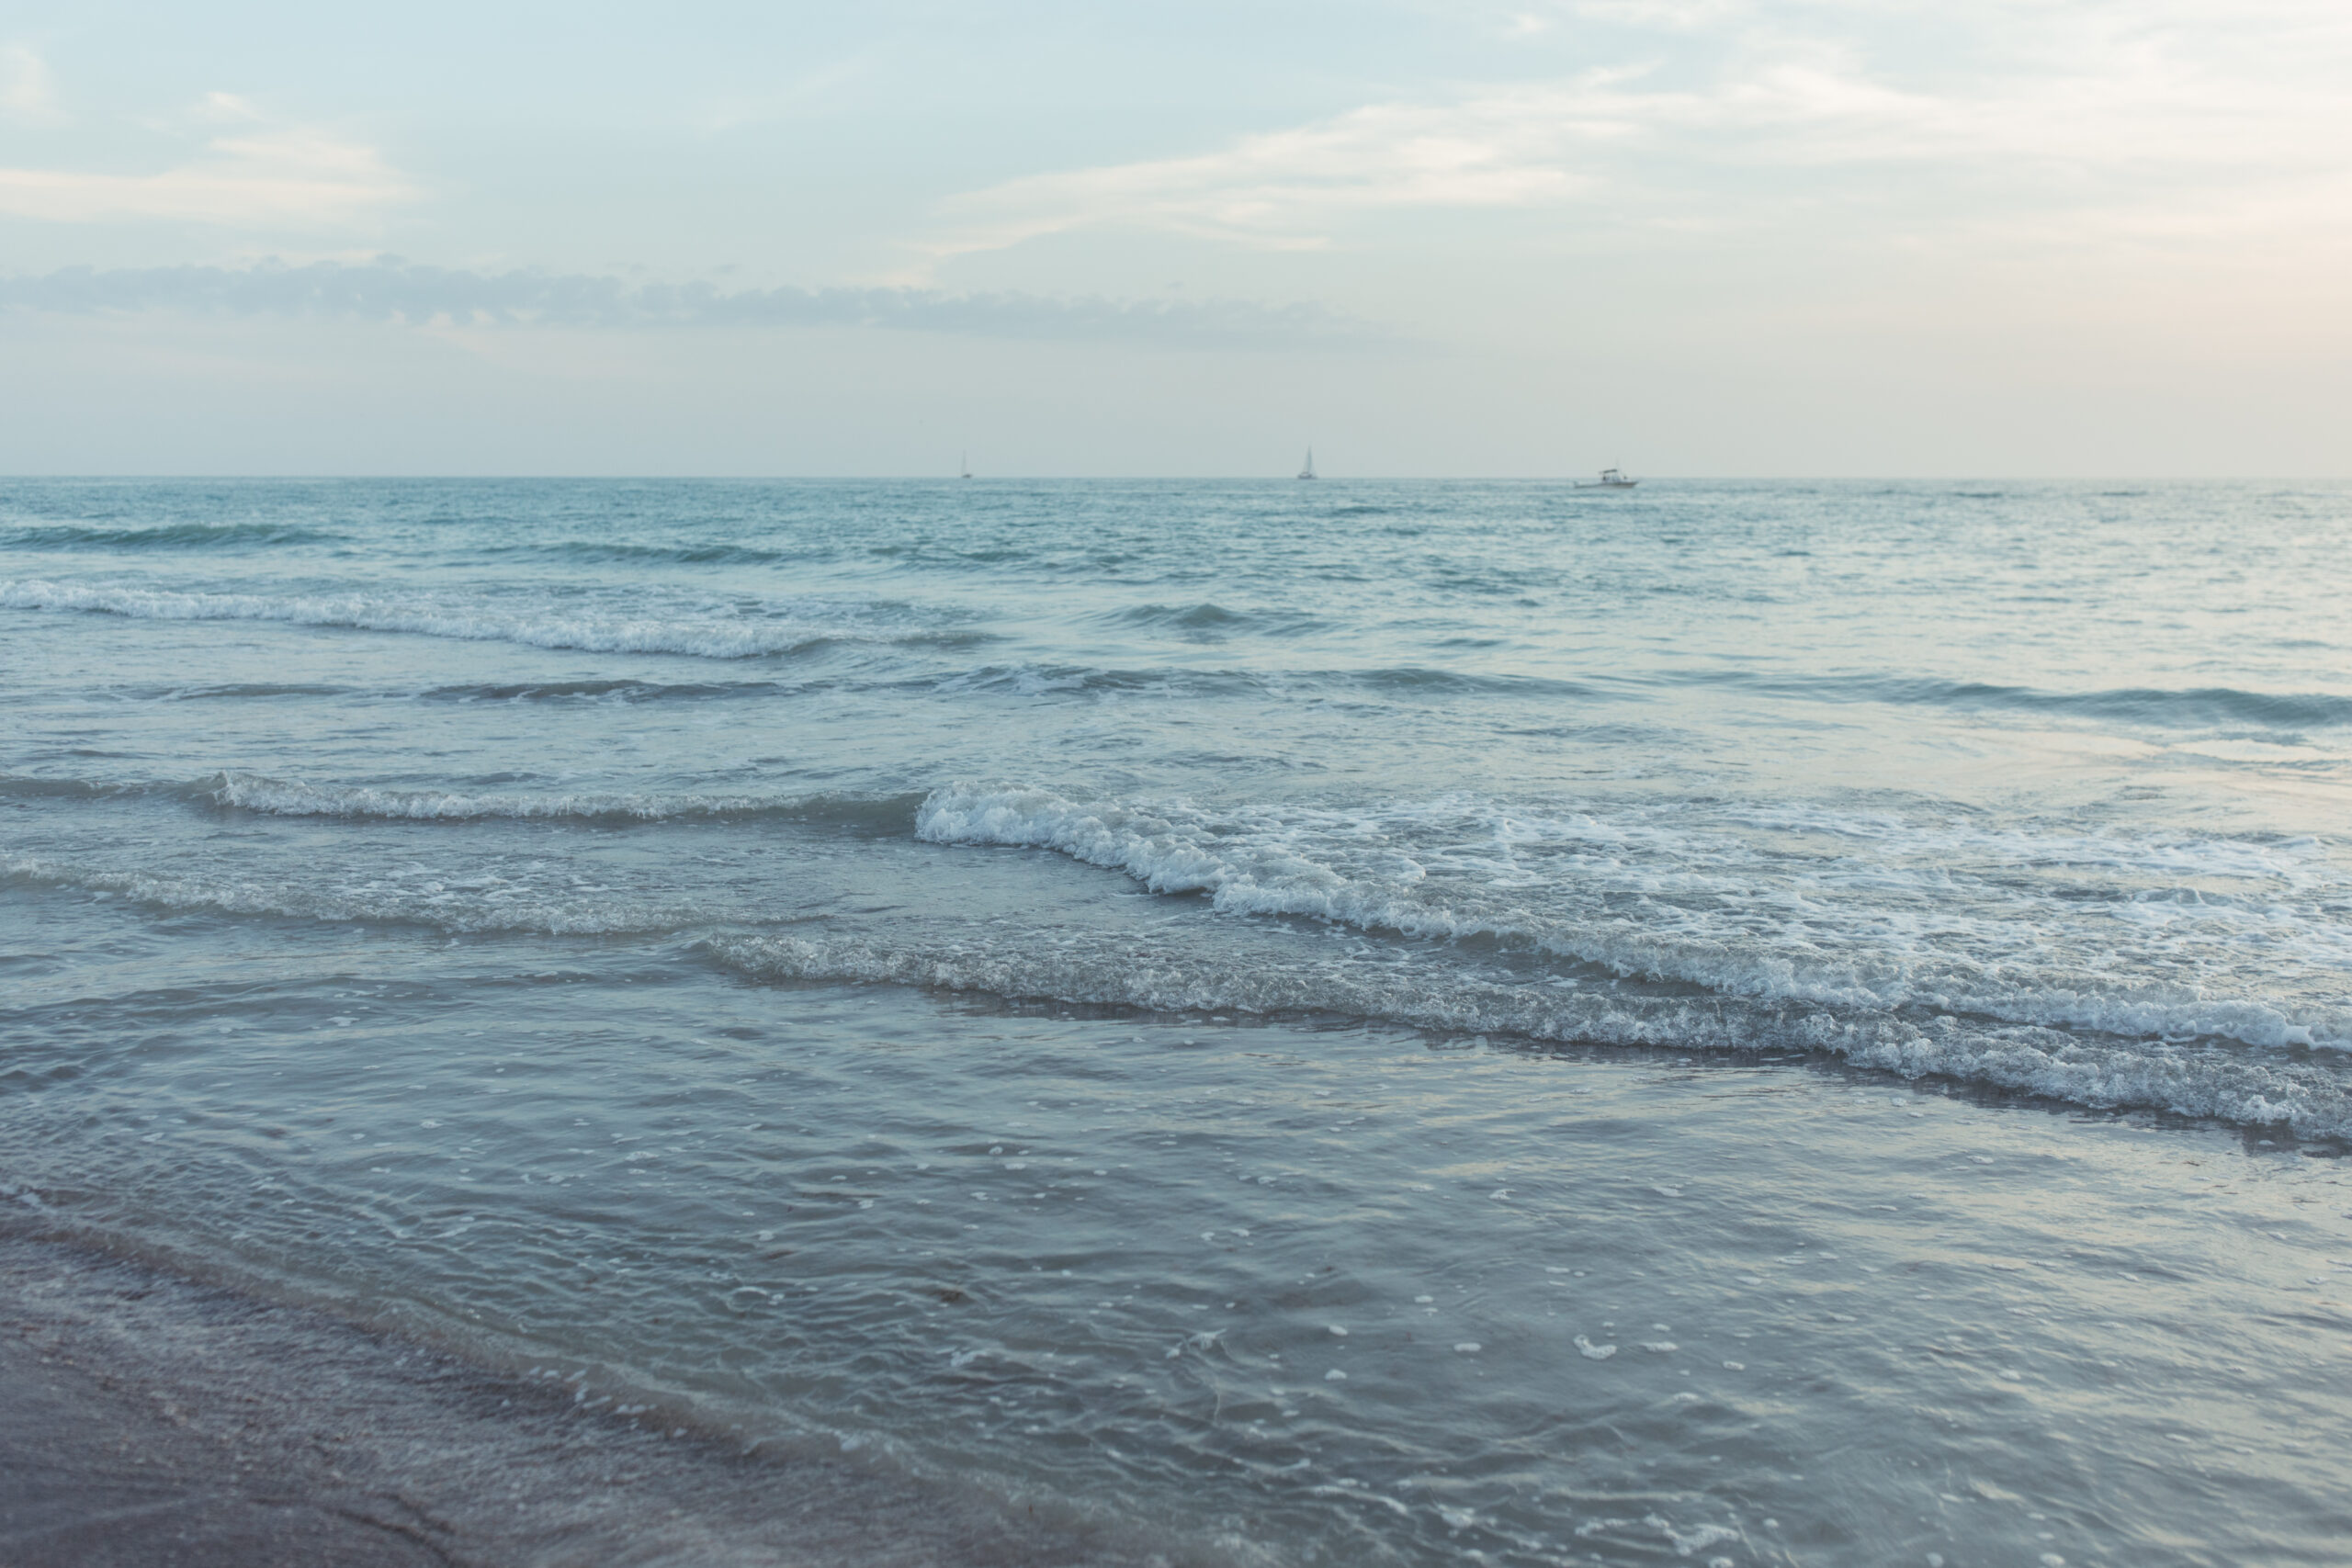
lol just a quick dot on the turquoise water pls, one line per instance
(1334, 1023)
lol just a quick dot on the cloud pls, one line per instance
(392, 291)
(251, 174)
(2173, 108)
(28, 94)
(1282, 188)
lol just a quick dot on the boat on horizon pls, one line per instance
(1307, 471)
(1610, 479)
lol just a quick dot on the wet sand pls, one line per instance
(146, 1420)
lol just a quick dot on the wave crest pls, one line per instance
(161, 536)
(484, 906)
(1108, 971)
(295, 797)
(1630, 898)
(796, 626)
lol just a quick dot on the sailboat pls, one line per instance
(965, 462)
(1308, 472)
(1610, 479)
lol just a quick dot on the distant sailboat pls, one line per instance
(1610, 478)
(965, 462)
(1308, 472)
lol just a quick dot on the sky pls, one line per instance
(1529, 238)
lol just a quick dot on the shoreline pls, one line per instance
(155, 1420)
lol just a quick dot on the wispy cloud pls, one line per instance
(28, 92)
(252, 171)
(2157, 104)
(397, 292)
(1283, 188)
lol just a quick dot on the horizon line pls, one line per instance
(1579, 476)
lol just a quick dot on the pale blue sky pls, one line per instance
(1688, 236)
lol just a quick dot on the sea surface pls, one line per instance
(1335, 1024)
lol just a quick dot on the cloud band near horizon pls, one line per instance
(395, 292)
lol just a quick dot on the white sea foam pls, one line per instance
(1650, 894)
(293, 797)
(483, 902)
(1163, 975)
(296, 798)
(700, 629)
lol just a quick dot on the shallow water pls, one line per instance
(1785, 1023)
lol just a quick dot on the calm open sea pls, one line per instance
(1334, 1023)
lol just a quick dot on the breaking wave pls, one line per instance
(1649, 897)
(295, 797)
(477, 903)
(1148, 974)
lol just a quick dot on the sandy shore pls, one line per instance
(148, 1420)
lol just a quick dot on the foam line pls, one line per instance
(2228, 1085)
(1704, 916)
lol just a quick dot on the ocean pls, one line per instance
(1293, 1023)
